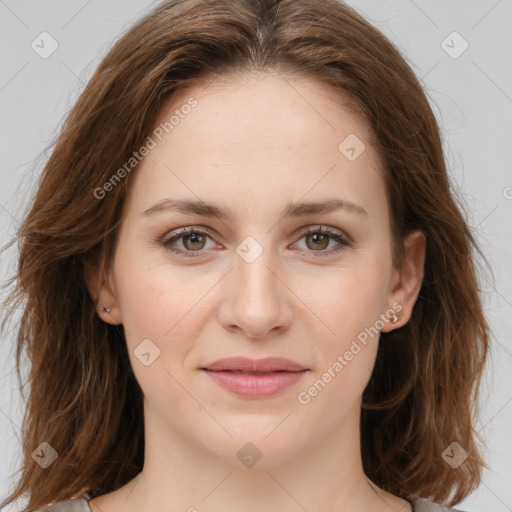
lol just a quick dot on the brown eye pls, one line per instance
(194, 242)
(187, 242)
(318, 241)
(318, 238)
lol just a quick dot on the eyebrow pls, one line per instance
(296, 209)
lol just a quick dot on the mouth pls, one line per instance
(266, 365)
(255, 378)
(247, 373)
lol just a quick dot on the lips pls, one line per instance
(255, 378)
(244, 364)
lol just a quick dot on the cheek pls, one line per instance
(349, 305)
(158, 316)
(349, 350)
(346, 353)
(148, 303)
(337, 388)
(351, 299)
(163, 304)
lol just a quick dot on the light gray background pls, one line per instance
(471, 96)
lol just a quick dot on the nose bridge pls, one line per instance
(258, 303)
(255, 269)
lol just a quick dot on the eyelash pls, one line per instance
(322, 230)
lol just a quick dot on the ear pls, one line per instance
(102, 293)
(406, 283)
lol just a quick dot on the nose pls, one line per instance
(257, 301)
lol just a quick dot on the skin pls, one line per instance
(254, 144)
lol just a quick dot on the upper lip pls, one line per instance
(244, 364)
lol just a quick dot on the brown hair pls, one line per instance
(84, 399)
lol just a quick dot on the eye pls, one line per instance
(318, 238)
(193, 240)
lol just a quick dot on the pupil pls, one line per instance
(195, 238)
(319, 238)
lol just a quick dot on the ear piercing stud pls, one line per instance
(107, 309)
(395, 318)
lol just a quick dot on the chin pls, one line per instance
(257, 441)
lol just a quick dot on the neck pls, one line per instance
(324, 474)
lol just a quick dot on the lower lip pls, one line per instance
(253, 385)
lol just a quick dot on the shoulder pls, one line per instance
(80, 504)
(422, 505)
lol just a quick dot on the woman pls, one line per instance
(246, 284)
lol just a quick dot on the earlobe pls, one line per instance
(409, 280)
(102, 294)
(109, 314)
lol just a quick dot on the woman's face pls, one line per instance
(278, 159)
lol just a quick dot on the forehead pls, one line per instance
(259, 133)
(265, 102)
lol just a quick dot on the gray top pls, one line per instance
(81, 504)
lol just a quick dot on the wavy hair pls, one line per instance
(423, 393)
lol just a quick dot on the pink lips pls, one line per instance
(255, 377)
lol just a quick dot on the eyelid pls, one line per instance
(322, 228)
(335, 234)
(176, 234)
